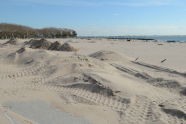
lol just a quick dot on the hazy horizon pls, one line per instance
(99, 18)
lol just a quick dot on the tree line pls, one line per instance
(8, 31)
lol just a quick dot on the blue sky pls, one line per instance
(100, 17)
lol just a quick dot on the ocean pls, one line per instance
(181, 38)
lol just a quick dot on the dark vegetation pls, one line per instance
(8, 31)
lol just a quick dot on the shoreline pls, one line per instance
(109, 38)
(136, 38)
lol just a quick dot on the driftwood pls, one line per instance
(163, 60)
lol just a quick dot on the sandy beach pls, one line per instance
(92, 81)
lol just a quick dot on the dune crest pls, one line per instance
(11, 42)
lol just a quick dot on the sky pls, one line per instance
(99, 17)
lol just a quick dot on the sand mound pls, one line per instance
(42, 44)
(108, 55)
(175, 112)
(26, 56)
(85, 81)
(11, 41)
(21, 50)
(55, 46)
(15, 56)
(67, 47)
(183, 92)
(172, 110)
(29, 42)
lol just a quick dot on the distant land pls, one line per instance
(20, 31)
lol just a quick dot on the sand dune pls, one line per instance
(99, 83)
